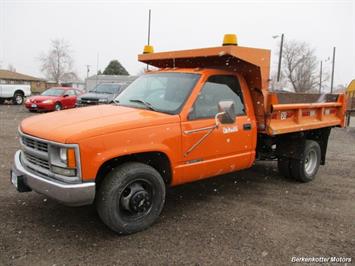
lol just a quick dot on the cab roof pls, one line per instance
(252, 63)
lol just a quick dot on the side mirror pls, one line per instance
(227, 110)
(65, 95)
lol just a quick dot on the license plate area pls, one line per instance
(19, 182)
(34, 105)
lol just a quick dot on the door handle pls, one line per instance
(247, 126)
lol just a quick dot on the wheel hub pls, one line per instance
(136, 199)
(310, 162)
(140, 201)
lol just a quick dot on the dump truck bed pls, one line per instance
(292, 112)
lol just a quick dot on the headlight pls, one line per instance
(103, 100)
(63, 161)
(48, 101)
(63, 155)
(27, 100)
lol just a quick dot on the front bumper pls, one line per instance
(40, 107)
(68, 194)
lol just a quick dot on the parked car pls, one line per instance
(14, 92)
(102, 94)
(55, 98)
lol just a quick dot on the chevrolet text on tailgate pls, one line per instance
(203, 113)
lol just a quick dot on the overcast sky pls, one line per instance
(118, 30)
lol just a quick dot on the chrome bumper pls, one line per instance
(68, 194)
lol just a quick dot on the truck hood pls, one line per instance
(71, 126)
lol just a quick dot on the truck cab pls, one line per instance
(203, 113)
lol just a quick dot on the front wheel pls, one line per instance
(131, 198)
(306, 167)
(57, 107)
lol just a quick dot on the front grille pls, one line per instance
(35, 144)
(36, 161)
(89, 101)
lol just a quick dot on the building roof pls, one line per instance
(110, 78)
(11, 75)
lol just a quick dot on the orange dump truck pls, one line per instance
(203, 113)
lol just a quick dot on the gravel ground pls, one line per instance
(248, 217)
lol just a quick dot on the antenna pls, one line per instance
(149, 20)
(149, 17)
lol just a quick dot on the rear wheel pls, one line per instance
(57, 107)
(18, 98)
(131, 198)
(306, 168)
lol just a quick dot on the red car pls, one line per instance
(56, 98)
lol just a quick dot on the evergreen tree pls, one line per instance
(115, 68)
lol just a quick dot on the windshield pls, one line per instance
(53, 92)
(163, 92)
(106, 88)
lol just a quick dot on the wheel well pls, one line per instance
(158, 160)
(291, 145)
(321, 136)
(20, 92)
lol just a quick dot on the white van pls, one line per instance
(14, 92)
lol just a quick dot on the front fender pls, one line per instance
(98, 150)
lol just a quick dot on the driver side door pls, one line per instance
(207, 151)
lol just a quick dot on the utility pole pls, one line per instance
(97, 63)
(87, 70)
(320, 76)
(280, 57)
(332, 80)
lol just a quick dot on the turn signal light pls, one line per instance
(71, 158)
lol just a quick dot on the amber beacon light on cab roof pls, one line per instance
(202, 113)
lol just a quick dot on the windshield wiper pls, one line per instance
(147, 104)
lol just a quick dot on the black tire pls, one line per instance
(18, 98)
(131, 198)
(57, 107)
(2, 100)
(306, 168)
(284, 167)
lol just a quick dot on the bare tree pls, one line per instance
(300, 66)
(57, 61)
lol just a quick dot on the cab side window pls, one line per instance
(217, 88)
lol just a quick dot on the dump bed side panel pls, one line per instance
(292, 112)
